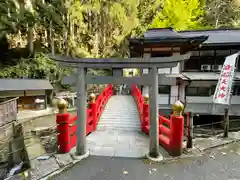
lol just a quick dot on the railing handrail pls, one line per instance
(169, 128)
(93, 111)
(4, 102)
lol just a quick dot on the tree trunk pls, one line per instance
(102, 28)
(65, 35)
(30, 40)
(51, 37)
(96, 37)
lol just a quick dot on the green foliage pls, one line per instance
(147, 10)
(39, 67)
(97, 28)
(13, 17)
(179, 14)
(222, 13)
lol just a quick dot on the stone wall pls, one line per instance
(6, 136)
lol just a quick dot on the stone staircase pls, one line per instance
(120, 114)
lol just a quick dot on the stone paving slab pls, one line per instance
(132, 152)
(41, 168)
(118, 143)
(63, 159)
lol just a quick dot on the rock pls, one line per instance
(50, 143)
(43, 158)
(212, 156)
(154, 169)
(63, 159)
(149, 172)
(223, 153)
(238, 153)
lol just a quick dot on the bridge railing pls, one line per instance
(170, 130)
(66, 125)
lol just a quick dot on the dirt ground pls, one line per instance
(45, 121)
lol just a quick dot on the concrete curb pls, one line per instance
(158, 159)
(181, 157)
(220, 145)
(57, 172)
(76, 159)
(164, 159)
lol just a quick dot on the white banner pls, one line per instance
(223, 89)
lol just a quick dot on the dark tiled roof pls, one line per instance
(167, 35)
(161, 32)
(216, 36)
(24, 84)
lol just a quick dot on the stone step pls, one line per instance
(122, 109)
(119, 103)
(119, 128)
(120, 113)
(119, 124)
(124, 114)
(118, 116)
(124, 121)
(119, 121)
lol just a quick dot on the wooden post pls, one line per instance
(190, 130)
(10, 148)
(226, 123)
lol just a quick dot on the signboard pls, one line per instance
(223, 89)
(8, 111)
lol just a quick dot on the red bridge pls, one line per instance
(118, 126)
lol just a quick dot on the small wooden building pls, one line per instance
(33, 93)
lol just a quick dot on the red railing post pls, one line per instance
(93, 106)
(72, 128)
(145, 115)
(110, 90)
(177, 129)
(165, 133)
(143, 108)
(62, 120)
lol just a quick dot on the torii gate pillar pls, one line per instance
(154, 145)
(81, 111)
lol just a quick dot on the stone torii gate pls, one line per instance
(153, 80)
